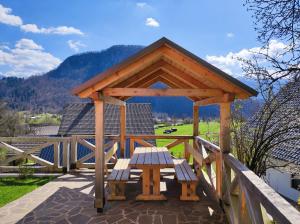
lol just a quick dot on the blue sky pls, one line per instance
(37, 35)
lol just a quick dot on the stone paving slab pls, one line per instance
(69, 199)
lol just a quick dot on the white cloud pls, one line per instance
(230, 64)
(75, 45)
(152, 22)
(142, 5)
(26, 58)
(62, 30)
(7, 18)
(230, 35)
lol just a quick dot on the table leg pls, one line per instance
(151, 176)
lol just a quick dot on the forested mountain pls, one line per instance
(52, 91)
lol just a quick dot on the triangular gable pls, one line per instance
(164, 61)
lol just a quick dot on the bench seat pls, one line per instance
(117, 180)
(188, 180)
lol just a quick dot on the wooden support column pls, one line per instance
(195, 120)
(123, 130)
(99, 155)
(224, 140)
(195, 124)
(225, 127)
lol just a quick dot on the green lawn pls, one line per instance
(12, 188)
(187, 129)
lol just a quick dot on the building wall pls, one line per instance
(281, 182)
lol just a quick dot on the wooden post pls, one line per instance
(225, 127)
(123, 130)
(56, 155)
(195, 120)
(66, 156)
(131, 146)
(225, 135)
(219, 174)
(73, 152)
(195, 125)
(99, 155)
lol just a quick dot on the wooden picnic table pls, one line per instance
(151, 160)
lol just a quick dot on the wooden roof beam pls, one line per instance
(227, 97)
(161, 92)
(107, 99)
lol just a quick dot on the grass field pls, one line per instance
(12, 188)
(187, 129)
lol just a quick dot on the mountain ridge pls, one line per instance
(51, 91)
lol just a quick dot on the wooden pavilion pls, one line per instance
(184, 73)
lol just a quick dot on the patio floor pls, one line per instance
(69, 199)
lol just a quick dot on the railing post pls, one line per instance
(73, 152)
(131, 146)
(56, 147)
(186, 151)
(66, 156)
(219, 174)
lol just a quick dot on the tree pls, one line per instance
(275, 20)
(277, 23)
(10, 122)
(274, 124)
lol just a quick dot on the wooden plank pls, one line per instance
(40, 161)
(196, 155)
(56, 154)
(146, 181)
(131, 143)
(195, 120)
(168, 158)
(73, 150)
(174, 143)
(122, 130)
(99, 154)
(161, 92)
(148, 156)
(141, 157)
(189, 171)
(86, 157)
(135, 156)
(126, 172)
(275, 205)
(227, 97)
(86, 143)
(154, 159)
(109, 154)
(161, 156)
(156, 181)
(219, 173)
(146, 137)
(143, 143)
(113, 100)
(179, 173)
(66, 154)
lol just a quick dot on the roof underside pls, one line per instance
(166, 62)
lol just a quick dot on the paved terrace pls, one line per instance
(69, 199)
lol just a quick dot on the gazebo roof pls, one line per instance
(164, 61)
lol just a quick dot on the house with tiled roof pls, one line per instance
(285, 178)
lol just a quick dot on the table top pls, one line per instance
(151, 156)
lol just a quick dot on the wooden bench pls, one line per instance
(117, 180)
(188, 180)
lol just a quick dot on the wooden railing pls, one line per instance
(110, 149)
(29, 147)
(143, 140)
(245, 197)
